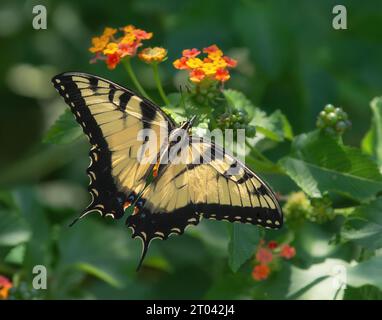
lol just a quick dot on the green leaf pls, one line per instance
(242, 245)
(96, 249)
(230, 286)
(99, 273)
(64, 130)
(372, 142)
(238, 100)
(39, 244)
(318, 281)
(365, 228)
(16, 255)
(275, 127)
(318, 163)
(366, 292)
(13, 228)
(366, 272)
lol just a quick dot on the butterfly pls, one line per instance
(180, 194)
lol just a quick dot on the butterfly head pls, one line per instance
(187, 125)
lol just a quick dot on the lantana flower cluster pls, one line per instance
(214, 65)
(334, 121)
(113, 48)
(266, 258)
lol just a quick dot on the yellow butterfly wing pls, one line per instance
(113, 118)
(210, 184)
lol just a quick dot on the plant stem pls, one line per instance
(127, 64)
(159, 84)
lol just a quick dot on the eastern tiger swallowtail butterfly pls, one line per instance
(179, 194)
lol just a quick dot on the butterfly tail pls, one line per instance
(144, 252)
(78, 218)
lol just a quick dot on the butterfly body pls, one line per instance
(186, 179)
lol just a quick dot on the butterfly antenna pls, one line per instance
(144, 252)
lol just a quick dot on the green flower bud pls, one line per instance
(329, 108)
(341, 126)
(331, 118)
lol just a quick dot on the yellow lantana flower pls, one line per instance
(215, 55)
(99, 43)
(219, 63)
(194, 63)
(108, 32)
(209, 68)
(111, 48)
(128, 38)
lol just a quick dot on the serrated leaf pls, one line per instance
(319, 163)
(243, 241)
(64, 130)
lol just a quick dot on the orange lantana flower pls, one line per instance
(287, 251)
(181, 63)
(190, 53)
(222, 75)
(264, 256)
(260, 272)
(112, 60)
(197, 75)
(211, 49)
(213, 66)
(142, 34)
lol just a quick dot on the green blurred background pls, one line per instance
(290, 58)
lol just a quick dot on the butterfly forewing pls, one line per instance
(113, 118)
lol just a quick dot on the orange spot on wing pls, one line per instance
(126, 205)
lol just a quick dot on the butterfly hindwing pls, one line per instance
(235, 193)
(217, 186)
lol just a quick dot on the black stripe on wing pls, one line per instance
(106, 199)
